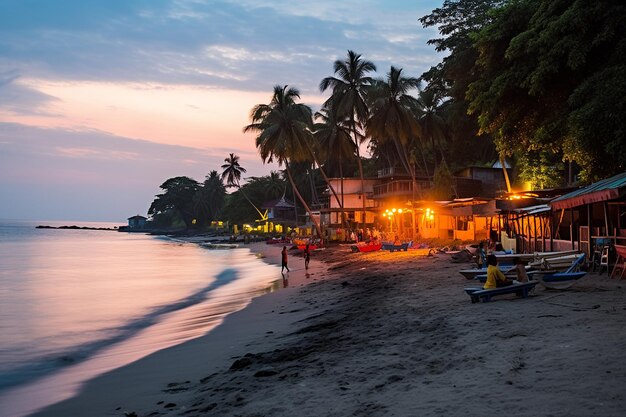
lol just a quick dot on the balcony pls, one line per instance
(394, 188)
(391, 172)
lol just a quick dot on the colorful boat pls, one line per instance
(366, 247)
(392, 248)
(312, 246)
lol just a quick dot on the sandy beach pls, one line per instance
(385, 334)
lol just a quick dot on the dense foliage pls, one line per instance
(544, 78)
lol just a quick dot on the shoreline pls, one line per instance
(141, 379)
(385, 335)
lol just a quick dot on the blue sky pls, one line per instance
(102, 101)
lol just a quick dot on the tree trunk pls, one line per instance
(306, 206)
(358, 159)
(332, 189)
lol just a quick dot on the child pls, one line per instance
(284, 258)
(495, 277)
(520, 268)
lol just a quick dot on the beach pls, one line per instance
(384, 334)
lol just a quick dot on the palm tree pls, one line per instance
(349, 86)
(232, 173)
(332, 135)
(283, 128)
(432, 120)
(392, 119)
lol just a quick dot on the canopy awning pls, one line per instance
(605, 190)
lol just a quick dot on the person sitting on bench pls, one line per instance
(495, 277)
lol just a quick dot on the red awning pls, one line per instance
(584, 199)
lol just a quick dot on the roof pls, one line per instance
(605, 190)
(280, 203)
(137, 217)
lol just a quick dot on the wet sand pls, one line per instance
(384, 334)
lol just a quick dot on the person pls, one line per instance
(481, 254)
(284, 258)
(396, 241)
(520, 269)
(495, 277)
(307, 256)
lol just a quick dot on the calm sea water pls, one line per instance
(77, 303)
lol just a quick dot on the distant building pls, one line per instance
(492, 182)
(280, 210)
(137, 222)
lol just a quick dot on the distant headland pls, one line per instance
(73, 227)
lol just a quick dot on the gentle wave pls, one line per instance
(45, 365)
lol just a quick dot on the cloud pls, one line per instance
(92, 175)
(246, 45)
(18, 98)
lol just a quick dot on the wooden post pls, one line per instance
(589, 249)
(535, 231)
(551, 226)
(606, 219)
(571, 227)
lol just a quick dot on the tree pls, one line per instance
(392, 119)
(213, 195)
(349, 90)
(178, 196)
(550, 81)
(232, 171)
(332, 135)
(283, 126)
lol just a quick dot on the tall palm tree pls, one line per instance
(283, 128)
(349, 90)
(232, 171)
(432, 119)
(392, 118)
(332, 135)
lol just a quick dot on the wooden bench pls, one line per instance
(521, 290)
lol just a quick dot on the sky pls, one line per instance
(101, 101)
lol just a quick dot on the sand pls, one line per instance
(385, 334)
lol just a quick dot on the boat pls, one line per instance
(312, 246)
(366, 247)
(474, 272)
(561, 280)
(210, 245)
(392, 248)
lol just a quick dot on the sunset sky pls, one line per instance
(103, 100)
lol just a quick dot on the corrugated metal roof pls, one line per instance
(607, 189)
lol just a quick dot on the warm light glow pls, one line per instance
(393, 210)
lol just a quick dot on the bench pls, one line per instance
(521, 290)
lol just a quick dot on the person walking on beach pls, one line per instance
(307, 256)
(284, 258)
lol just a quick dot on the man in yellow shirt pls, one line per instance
(495, 277)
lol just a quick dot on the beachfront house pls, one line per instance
(137, 222)
(591, 216)
(352, 203)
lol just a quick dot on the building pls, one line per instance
(352, 203)
(137, 222)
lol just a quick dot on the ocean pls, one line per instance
(77, 303)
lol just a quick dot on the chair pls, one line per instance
(601, 254)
